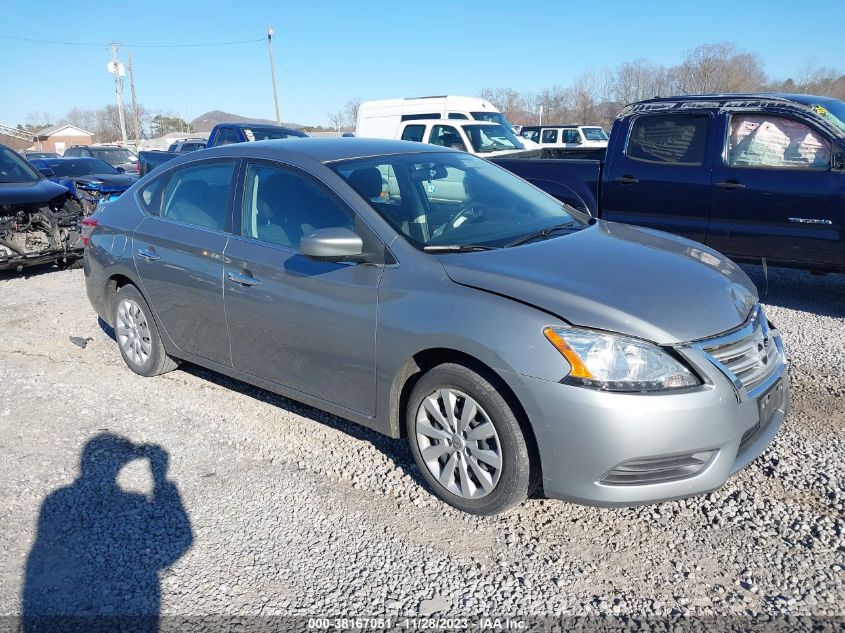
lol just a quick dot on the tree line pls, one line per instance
(595, 97)
(104, 123)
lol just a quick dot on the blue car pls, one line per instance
(90, 180)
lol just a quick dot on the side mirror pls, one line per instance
(120, 170)
(837, 162)
(47, 172)
(335, 244)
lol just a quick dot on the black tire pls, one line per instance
(517, 475)
(157, 361)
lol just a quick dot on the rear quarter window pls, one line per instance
(672, 139)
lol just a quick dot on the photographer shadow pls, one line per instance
(99, 550)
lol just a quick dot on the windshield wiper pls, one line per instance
(542, 233)
(457, 248)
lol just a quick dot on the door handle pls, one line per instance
(244, 280)
(626, 180)
(730, 184)
(148, 255)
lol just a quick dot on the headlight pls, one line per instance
(618, 363)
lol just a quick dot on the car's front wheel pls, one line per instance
(137, 335)
(467, 441)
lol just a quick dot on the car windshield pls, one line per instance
(452, 199)
(492, 117)
(116, 156)
(269, 134)
(83, 167)
(492, 138)
(594, 133)
(13, 168)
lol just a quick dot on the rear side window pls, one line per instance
(550, 136)
(198, 195)
(775, 142)
(413, 133)
(571, 136)
(674, 139)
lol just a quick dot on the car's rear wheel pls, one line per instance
(467, 441)
(137, 335)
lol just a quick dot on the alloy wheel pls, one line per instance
(458, 443)
(133, 332)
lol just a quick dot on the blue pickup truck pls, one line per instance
(221, 134)
(755, 176)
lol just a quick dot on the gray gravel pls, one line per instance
(293, 511)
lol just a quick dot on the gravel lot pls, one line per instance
(293, 511)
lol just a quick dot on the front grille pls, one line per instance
(750, 355)
(657, 469)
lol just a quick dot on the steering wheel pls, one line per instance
(469, 212)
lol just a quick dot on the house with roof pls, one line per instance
(57, 138)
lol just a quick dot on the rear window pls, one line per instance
(677, 139)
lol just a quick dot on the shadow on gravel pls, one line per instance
(97, 556)
(800, 290)
(396, 450)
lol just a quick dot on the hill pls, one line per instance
(204, 122)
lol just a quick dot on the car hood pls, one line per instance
(29, 192)
(620, 278)
(113, 180)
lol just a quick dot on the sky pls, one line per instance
(328, 52)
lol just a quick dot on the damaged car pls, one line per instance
(89, 180)
(39, 220)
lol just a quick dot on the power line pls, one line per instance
(107, 44)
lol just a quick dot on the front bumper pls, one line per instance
(586, 438)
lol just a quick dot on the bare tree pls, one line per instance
(719, 68)
(515, 106)
(336, 119)
(350, 112)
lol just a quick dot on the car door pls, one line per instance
(305, 324)
(657, 174)
(772, 191)
(178, 252)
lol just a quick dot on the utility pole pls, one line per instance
(270, 34)
(135, 115)
(118, 70)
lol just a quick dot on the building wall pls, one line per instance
(60, 143)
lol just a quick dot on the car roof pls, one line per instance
(745, 96)
(324, 150)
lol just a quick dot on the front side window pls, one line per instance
(458, 115)
(13, 168)
(446, 136)
(679, 139)
(492, 117)
(413, 133)
(531, 135)
(549, 136)
(280, 206)
(451, 199)
(198, 195)
(775, 142)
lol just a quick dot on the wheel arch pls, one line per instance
(424, 360)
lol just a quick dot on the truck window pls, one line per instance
(531, 135)
(447, 136)
(413, 133)
(673, 139)
(571, 136)
(226, 136)
(775, 142)
(549, 136)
